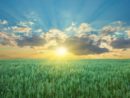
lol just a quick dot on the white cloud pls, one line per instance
(113, 28)
(84, 27)
(21, 29)
(118, 23)
(105, 45)
(79, 31)
(39, 30)
(71, 30)
(3, 22)
(55, 34)
(25, 23)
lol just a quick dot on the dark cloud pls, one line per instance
(30, 41)
(84, 45)
(121, 43)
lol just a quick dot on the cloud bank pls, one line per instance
(81, 39)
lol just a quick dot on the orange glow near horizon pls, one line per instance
(8, 52)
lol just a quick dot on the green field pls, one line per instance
(66, 79)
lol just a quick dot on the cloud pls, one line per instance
(80, 39)
(84, 45)
(39, 30)
(21, 29)
(128, 33)
(82, 29)
(25, 23)
(55, 34)
(6, 39)
(115, 36)
(3, 22)
(30, 41)
(118, 23)
(113, 28)
(121, 43)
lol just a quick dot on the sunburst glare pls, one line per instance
(61, 51)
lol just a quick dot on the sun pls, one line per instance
(61, 51)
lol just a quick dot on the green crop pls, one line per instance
(23, 78)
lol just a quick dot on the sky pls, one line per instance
(87, 28)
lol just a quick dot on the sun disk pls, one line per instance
(61, 51)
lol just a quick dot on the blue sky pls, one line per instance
(61, 13)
